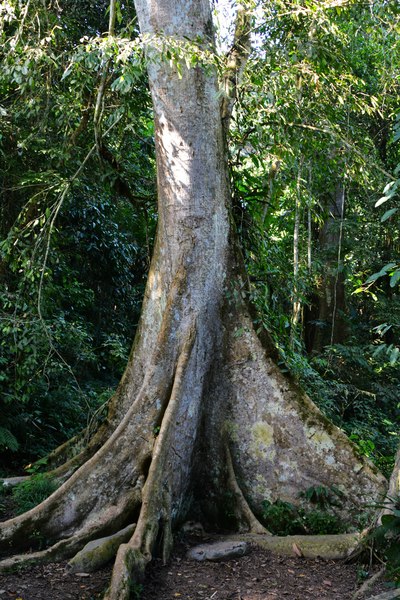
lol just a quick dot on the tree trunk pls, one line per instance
(296, 309)
(331, 327)
(202, 415)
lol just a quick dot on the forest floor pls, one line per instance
(258, 576)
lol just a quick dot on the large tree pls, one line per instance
(202, 414)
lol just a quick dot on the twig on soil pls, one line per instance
(369, 583)
(386, 595)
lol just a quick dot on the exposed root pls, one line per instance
(103, 494)
(136, 468)
(95, 492)
(65, 452)
(67, 458)
(130, 564)
(81, 503)
(99, 552)
(109, 522)
(72, 464)
(243, 510)
(333, 547)
(59, 551)
(133, 557)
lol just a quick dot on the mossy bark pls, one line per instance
(332, 547)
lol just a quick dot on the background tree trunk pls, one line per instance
(331, 328)
(296, 309)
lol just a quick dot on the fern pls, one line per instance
(8, 440)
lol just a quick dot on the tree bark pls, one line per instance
(202, 417)
(331, 328)
(296, 307)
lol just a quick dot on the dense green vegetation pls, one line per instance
(314, 147)
(386, 538)
(75, 248)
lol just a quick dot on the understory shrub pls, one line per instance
(284, 518)
(386, 538)
(314, 517)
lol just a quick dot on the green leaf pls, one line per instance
(388, 214)
(238, 332)
(8, 440)
(382, 201)
(388, 519)
(374, 277)
(382, 328)
(381, 273)
(389, 192)
(395, 278)
(388, 267)
(394, 355)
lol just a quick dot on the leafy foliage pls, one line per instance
(321, 496)
(76, 219)
(30, 493)
(72, 349)
(8, 440)
(284, 518)
(386, 537)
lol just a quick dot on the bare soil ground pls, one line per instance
(258, 576)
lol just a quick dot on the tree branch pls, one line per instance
(236, 62)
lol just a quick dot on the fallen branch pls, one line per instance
(369, 583)
(334, 547)
(386, 595)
